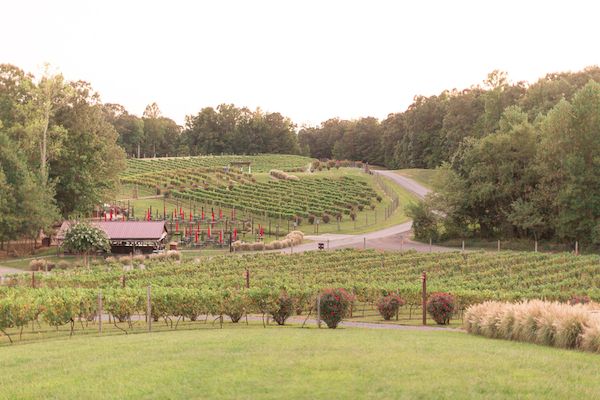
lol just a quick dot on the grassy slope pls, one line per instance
(423, 176)
(295, 363)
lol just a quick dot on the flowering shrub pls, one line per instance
(335, 304)
(441, 306)
(389, 305)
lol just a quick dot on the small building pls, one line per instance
(128, 236)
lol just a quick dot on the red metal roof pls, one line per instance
(115, 230)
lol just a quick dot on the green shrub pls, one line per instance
(234, 304)
(283, 309)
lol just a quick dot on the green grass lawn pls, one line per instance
(294, 363)
(425, 177)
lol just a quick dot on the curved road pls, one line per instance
(392, 238)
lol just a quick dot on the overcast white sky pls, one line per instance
(309, 60)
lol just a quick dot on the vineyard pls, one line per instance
(218, 181)
(367, 273)
(235, 286)
(289, 198)
(259, 163)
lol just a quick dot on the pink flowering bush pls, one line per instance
(335, 304)
(389, 305)
(440, 307)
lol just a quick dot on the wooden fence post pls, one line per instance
(498, 244)
(100, 312)
(364, 243)
(319, 311)
(430, 245)
(576, 248)
(463, 246)
(536, 246)
(424, 279)
(149, 307)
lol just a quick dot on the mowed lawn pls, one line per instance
(294, 363)
(425, 177)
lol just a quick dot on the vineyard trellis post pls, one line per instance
(100, 312)
(424, 302)
(149, 307)
(319, 311)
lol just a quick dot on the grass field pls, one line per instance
(425, 177)
(294, 363)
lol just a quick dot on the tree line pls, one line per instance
(226, 129)
(515, 159)
(431, 130)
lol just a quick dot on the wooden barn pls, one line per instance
(128, 236)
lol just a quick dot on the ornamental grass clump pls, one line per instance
(441, 306)
(37, 264)
(389, 305)
(535, 321)
(334, 305)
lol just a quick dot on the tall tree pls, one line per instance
(86, 173)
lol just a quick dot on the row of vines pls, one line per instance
(259, 163)
(264, 283)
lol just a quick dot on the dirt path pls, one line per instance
(8, 270)
(405, 182)
(367, 325)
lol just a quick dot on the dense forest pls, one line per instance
(433, 128)
(515, 159)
